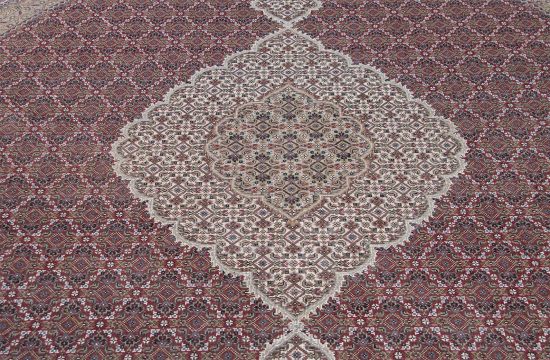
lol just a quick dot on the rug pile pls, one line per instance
(274, 179)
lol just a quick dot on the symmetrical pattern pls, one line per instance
(84, 271)
(289, 150)
(293, 264)
(287, 10)
(474, 280)
(296, 348)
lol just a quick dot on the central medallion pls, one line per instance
(289, 150)
(292, 165)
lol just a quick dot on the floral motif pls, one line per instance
(475, 278)
(287, 10)
(289, 150)
(85, 272)
(296, 348)
(294, 263)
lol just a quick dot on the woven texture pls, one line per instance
(288, 179)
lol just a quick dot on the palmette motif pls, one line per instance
(292, 166)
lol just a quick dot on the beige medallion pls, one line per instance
(292, 165)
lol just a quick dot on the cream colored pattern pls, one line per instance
(164, 156)
(287, 12)
(293, 267)
(14, 13)
(297, 348)
(543, 5)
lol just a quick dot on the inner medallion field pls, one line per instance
(290, 151)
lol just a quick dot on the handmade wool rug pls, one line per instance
(274, 179)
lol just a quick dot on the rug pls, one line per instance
(274, 179)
